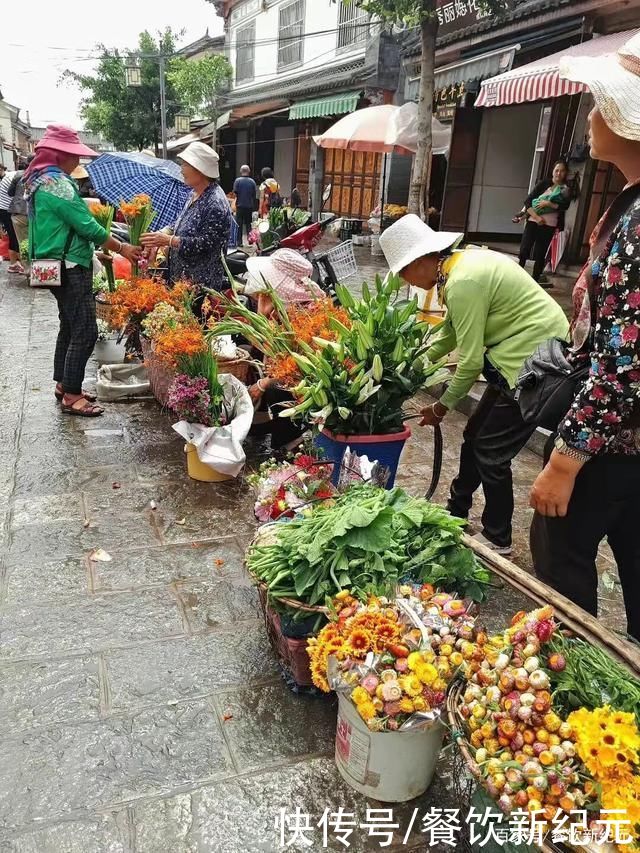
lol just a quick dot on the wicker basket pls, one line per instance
(160, 376)
(241, 367)
(104, 311)
(571, 617)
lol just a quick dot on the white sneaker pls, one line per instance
(503, 550)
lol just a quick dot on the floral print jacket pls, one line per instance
(605, 415)
(203, 228)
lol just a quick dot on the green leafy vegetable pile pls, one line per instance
(591, 679)
(367, 541)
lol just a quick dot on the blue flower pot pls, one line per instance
(386, 449)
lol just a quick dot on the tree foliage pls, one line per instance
(128, 116)
(198, 83)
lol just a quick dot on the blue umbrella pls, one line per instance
(118, 177)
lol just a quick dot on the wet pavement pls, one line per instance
(141, 709)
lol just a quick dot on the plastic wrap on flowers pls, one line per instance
(220, 447)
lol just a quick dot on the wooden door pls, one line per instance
(303, 155)
(462, 163)
(355, 177)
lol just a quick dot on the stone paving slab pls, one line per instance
(54, 581)
(92, 835)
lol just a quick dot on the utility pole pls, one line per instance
(163, 109)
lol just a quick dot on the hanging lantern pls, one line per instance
(133, 72)
(182, 123)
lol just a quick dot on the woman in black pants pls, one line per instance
(590, 486)
(543, 216)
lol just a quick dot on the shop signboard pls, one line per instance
(446, 101)
(455, 15)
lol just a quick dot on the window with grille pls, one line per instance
(245, 52)
(291, 34)
(352, 24)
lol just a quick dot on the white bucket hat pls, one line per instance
(410, 238)
(203, 158)
(614, 82)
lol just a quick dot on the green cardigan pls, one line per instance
(495, 308)
(59, 210)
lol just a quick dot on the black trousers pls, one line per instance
(7, 224)
(538, 238)
(494, 435)
(282, 430)
(244, 220)
(605, 503)
(78, 331)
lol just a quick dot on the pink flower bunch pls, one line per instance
(190, 400)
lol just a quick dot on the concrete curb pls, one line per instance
(468, 404)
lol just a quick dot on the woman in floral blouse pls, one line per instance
(590, 486)
(201, 234)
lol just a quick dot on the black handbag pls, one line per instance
(548, 382)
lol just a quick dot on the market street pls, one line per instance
(141, 707)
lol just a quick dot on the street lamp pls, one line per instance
(182, 123)
(133, 72)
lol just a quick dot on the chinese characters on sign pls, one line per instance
(441, 826)
(446, 100)
(457, 14)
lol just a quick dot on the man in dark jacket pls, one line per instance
(246, 192)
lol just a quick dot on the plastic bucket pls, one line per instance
(197, 470)
(376, 251)
(386, 449)
(109, 352)
(389, 766)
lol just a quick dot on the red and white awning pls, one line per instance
(540, 80)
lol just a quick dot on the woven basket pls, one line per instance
(571, 617)
(104, 311)
(160, 376)
(240, 367)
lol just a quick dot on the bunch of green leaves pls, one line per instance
(204, 364)
(272, 336)
(591, 678)
(365, 541)
(358, 384)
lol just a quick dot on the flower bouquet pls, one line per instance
(392, 658)
(536, 756)
(138, 213)
(283, 489)
(215, 414)
(103, 214)
(133, 300)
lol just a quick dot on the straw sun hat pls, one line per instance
(614, 82)
(410, 238)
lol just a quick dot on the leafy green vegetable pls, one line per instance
(367, 541)
(591, 678)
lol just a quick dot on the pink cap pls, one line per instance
(61, 138)
(288, 273)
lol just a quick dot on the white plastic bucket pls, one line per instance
(376, 251)
(109, 352)
(389, 766)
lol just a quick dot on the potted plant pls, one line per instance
(354, 388)
(215, 414)
(109, 348)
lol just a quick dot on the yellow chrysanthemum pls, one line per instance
(407, 706)
(411, 685)
(427, 673)
(360, 695)
(414, 660)
(367, 710)
(319, 679)
(420, 703)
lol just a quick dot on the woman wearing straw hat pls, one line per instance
(496, 317)
(61, 227)
(201, 234)
(590, 485)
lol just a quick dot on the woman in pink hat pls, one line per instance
(61, 227)
(289, 274)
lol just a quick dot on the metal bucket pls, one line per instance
(392, 767)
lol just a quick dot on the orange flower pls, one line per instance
(173, 343)
(133, 300)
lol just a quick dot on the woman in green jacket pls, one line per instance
(496, 317)
(61, 227)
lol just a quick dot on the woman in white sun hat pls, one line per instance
(590, 485)
(201, 233)
(496, 317)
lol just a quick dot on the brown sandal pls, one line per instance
(87, 410)
(88, 396)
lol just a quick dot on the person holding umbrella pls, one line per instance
(61, 227)
(496, 317)
(200, 235)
